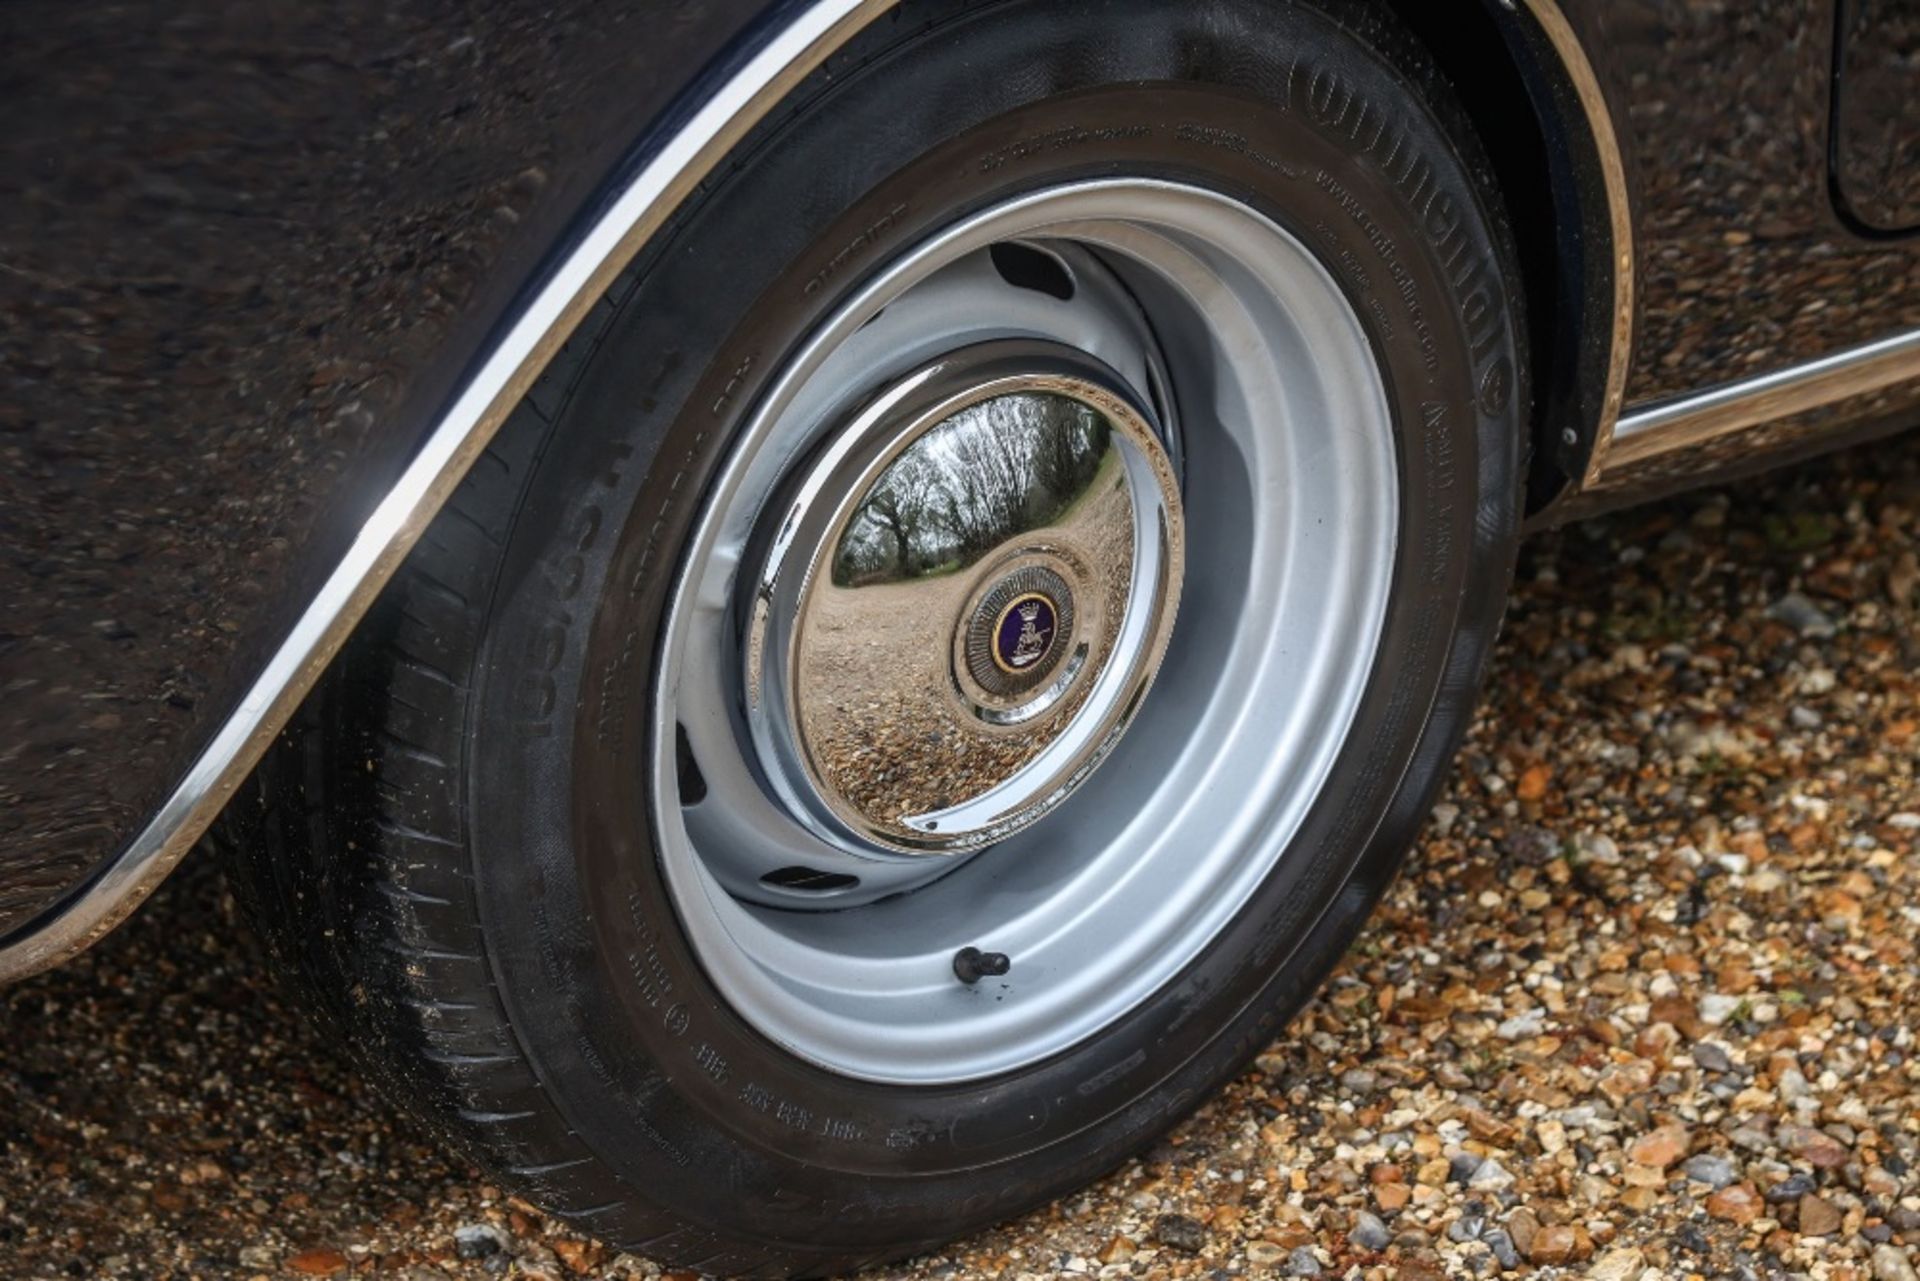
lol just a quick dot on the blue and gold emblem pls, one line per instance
(1024, 633)
(1019, 630)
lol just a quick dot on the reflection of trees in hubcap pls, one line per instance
(994, 470)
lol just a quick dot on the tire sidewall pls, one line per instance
(1277, 106)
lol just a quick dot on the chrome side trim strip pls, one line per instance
(1664, 426)
(1613, 173)
(450, 448)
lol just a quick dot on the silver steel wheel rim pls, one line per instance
(1270, 406)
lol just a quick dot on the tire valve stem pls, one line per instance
(970, 965)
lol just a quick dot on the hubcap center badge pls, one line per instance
(1018, 631)
(1025, 633)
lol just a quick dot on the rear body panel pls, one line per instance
(249, 251)
(249, 256)
(1745, 266)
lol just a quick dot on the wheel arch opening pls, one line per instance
(1539, 142)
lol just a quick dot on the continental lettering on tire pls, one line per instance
(1323, 97)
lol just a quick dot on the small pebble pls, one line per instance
(1265, 1254)
(1712, 1056)
(1490, 1176)
(1369, 1232)
(1618, 1265)
(1818, 1217)
(1790, 1189)
(1801, 614)
(1714, 1171)
(477, 1240)
(1179, 1232)
(1502, 1245)
(1891, 1263)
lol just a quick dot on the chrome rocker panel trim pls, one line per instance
(451, 447)
(1681, 422)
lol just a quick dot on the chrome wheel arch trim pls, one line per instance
(1613, 173)
(463, 431)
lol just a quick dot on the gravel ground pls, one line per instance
(1642, 1006)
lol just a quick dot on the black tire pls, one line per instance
(449, 846)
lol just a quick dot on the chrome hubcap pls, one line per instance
(1114, 435)
(969, 593)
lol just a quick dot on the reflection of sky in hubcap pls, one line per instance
(994, 470)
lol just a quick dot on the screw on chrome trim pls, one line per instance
(970, 964)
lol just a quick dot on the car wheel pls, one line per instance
(950, 652)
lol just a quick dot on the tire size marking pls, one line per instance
(803, 1119)
(651, 977)
(868, 236)
(1059, 139)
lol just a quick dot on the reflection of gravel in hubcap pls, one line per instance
(1019, 631)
